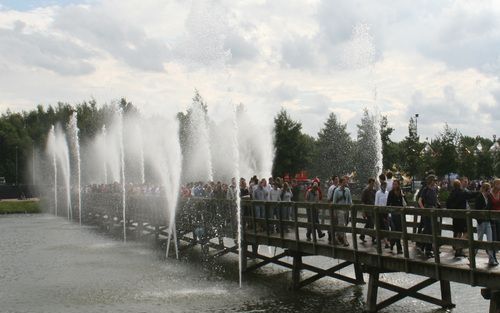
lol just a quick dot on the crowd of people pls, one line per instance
(389, 193)
(386, 190)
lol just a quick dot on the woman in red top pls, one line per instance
(495, 206)
(495, 195)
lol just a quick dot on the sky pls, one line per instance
(438, 59)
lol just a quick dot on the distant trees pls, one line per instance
(333, 151)
(25, 131)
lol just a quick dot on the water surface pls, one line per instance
(48, 264)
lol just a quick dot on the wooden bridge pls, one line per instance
(213, 225)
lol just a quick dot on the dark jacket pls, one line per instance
(481, 204)
(458, 199)
(394, 200)
(368, 195)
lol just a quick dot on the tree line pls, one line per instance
(332, 151)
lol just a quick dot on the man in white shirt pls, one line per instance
(381, 200)
(331, 189)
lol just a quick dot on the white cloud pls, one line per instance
(438, 59)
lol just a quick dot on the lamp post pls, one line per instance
(16, 165)
(33, 163)
(495, 149)
(416, 124)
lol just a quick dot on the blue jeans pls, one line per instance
(484, 228)
(260, 211)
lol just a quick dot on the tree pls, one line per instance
(333, 153)
(411, 150)
(466, 158)
(446, 153)
(390, 149)
(484, 159)
(292, 147)
(366, 147)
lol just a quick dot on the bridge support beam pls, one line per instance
(495, 301)
(296, 270)
(374, 283)
(494, 297)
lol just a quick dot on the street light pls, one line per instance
(495, 149)
(416, 124)
(16, 165)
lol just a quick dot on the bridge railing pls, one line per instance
(286, 219)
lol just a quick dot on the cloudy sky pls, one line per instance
(440, 59)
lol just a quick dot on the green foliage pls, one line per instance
(445, 152)
(411, 161)
(333, 153)
(25, 131)
(390, 150)
(13, 207)
(292, 147)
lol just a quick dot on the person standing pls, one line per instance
(396, 198)
(342, 195)
(334, 183)
(495, 206)
(312, 195)
(389, 180)
(458, 201)
(484, 202)
(286, 196)
(368, 198)
(295, 190)
(260, 194)
(275, 196)
(428, 199)
(381, 200)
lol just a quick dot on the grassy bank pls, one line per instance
(15, 206)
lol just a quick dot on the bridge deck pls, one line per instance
(209, 219)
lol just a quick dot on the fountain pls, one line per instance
(119, 122)
(102, 146)
(51, 143)
(57, 147)
(360, 54)
(75, 147)
(236, 158)
(198, 154)
(163, 153)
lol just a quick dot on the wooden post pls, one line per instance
(358, 272)
(296, 269)
(472, 250)
(138, 231)
(446, 293)
(371, 299)
(157, 233)
(495, 301)
(243, 255)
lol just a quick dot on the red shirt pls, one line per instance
(495, 202)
